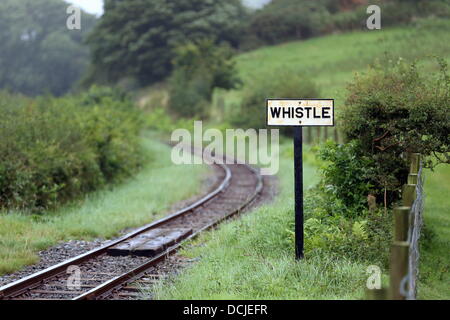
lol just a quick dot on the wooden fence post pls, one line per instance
(401, 223)
(399, 259)
(398, 268)
(377, 294)
(415, 163)
(413, 178)
(408, 195)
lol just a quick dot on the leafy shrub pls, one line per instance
(198, 69)
(344, 232)
(55, 149)
(346, 174)
(396, 110)
(287, 84)
(350, 20)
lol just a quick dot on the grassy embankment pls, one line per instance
(102, 214)
(252, 258)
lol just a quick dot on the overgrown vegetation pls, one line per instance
(394, 110)
(199, 68)
(287, 20)
(55, 149)
(347, 175)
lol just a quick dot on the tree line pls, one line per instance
(139, 39)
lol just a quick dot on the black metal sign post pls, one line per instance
(298, 173)
(299, 113)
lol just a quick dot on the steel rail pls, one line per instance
(107, 288)
(25, 284)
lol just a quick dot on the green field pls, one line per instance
(332, 61)
(102, 214)
(435, 257)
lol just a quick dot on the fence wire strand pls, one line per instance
(416, 218)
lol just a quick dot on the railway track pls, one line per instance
(122, 268)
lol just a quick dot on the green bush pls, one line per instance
(358, 235)
(286, 20)
(395, 110)
(287, 84)
(199, 68)
(55, 149)
(346, 174)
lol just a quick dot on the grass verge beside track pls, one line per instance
(253, 258)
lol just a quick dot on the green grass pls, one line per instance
(331, 61)
(253, 258)
(435, 258)
(103, 214)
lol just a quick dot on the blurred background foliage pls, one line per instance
(135, 42)
(38, 54)
(137, 38)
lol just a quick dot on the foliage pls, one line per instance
(38, 54)
(53, 150)
(137, 37)
(199, 68)
(286, 84)
(395, 110)
(346, 174)
(159, 120)
(365, 238)
(287, 20)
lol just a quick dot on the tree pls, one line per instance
(137, 37)
(39, 54)
(199, 68)
(284, 20)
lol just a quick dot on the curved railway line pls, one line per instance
(118, 270)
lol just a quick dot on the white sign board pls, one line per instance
(295, 112)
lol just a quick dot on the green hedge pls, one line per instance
(55, 149)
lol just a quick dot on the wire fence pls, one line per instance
(416, 218)
(405, 254)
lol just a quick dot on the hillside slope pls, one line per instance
(332, 60)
